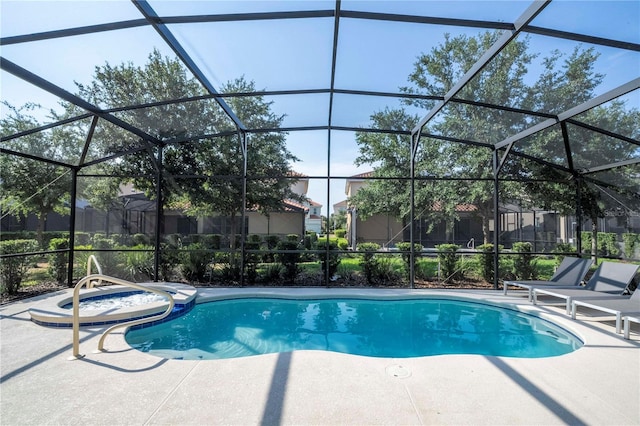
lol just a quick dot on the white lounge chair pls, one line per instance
(620, 306)
(569, 274)
(609, 279)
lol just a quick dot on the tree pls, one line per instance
(562, 85)
(565, 81)
(197, 150)
(31, 186)
(435, 73)
(339, 220)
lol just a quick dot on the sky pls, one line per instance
(296, 54)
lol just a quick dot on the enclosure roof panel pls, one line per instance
(487, 74)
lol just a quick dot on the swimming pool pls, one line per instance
(376, 328)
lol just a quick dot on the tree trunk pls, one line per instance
(42, 217)
(485, 229)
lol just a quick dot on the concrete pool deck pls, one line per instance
(597, 384)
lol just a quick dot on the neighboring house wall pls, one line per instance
(381, 229)
(282, 223)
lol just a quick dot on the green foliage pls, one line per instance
(524, 264)
(251, 259)
(140, 239)
(195, 262)
(14, 269)
(368, 260)
(80, 259)
(329, 260)
(289, 260)
(607, 244)
(426, 268)
(307, 242)
(630, 241)
(448, 259)
(485, 261)
(586, 241)
(389, 270)
(107, 258)
(271, 273)
(169, 259)
(82, 239)
(340, 233)
(293, 237)
(405, 248)
(59, 262)
(272, 242)
(139, 265)
(339, 220)
(560, 249)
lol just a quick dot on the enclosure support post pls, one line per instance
(72, 224)
(415, 138)
(244, 143)
(578, 216)
(496, 220)
(159, 216)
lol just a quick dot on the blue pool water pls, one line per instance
(391, 328)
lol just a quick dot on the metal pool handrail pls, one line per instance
(100, 278)
(95, 261)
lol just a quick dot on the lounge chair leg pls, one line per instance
(627, 326)
(618, 322)
(568, 306)
(574, 308)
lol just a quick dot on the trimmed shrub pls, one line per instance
(329, 260)
(524, 264)
(140, 240)
(562, 248)
(343, 244)
(251, 260)
(293, 237)
(340, 233)
(586, 241)
(607, 244)
(448, 260)
(82, 239)
(485, 261)
(630, 241)
(59, 262)
(368, 260)
(289, 261)
(307, 242)
(271, 242)
(405, 247)
(14, 269)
